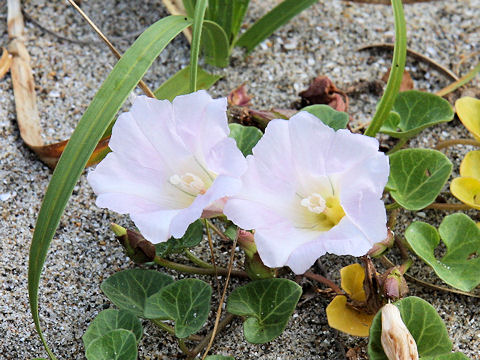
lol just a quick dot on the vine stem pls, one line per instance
(397, 146)
(388, 263)
(198, 270)
(452, 142)
(396, 73)
(323, 280)
(171, 330)
(196, 260)
(449, 207)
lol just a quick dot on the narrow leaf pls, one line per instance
(267, 306)
(187, 302)
(129, 289)
(215, 44)
(117, 344)
(460, 266)
(219, 357)
(109, 320)
(271, 21)
(178, 84)
(246, 137)
(423, 322)
(417, 176)
(335, 119)
(110, 97)
(198, 17)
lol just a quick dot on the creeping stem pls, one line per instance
(396, 72)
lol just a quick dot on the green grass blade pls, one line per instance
(270, 22)
(106, 103)
(198, 17)
(460, 82)
(215, 44)
(396, 72)
(228, 14)
(178, 84)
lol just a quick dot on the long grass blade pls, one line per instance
(198, 17)
(106, 103)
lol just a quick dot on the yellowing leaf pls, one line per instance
(467, 187)
(346, 319)
(467, 190)
(352, 281)
(468, 110)
(470, 166)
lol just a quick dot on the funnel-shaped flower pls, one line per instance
(310, 190)
(170, 163)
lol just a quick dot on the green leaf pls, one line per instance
(109, 320)
(186, 301)
(219, 357)
(414, 111)
(198, 17)
(417, 176)
(271, 21)
(215, 44)
(228, 14)
(267, 304)
(106, 103)
(450, 356)
(460, 266)
(178, 83)
(423, 322)
(193, 236)
(335, 119)
(129, 289)
(117, 344)
(246, 137)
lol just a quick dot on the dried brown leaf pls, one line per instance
(5, 62)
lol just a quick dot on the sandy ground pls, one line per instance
(322, 40)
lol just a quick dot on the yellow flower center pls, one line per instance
(328, 212)
(188, 183)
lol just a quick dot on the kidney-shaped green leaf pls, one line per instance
(112, 319)
(450, 356)
(423, 322)
(193, 236)
(417, 176)
(246, 137)
(415, 110)
(267, 304)
(117, 344)
(460, 266)
(186, 301)
(129, 289)
(330, 117)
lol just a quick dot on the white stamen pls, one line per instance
(189, 183)
(315, 203)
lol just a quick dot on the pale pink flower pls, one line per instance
(310, 190)
(170, 163)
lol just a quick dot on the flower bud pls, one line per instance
(397, 342)
(379, 248)
(135, 245)
(246, 241)
(394, 286)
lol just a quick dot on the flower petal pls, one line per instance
(347, 319)
(468, 110)
(155, 226)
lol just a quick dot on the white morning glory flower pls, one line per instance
(170, 164)
(310, 190)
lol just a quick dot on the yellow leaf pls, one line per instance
(467, 190)
(346, 319)
(468, 110)
(352, 281)
(470, 166)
